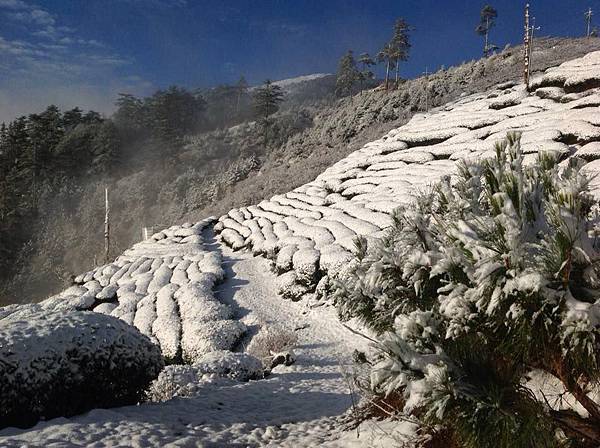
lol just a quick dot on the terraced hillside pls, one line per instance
(309, 232)
(193, 295)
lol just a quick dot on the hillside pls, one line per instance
(304, 236)
(226, 168)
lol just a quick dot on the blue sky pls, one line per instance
(84, 52)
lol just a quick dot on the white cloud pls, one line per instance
(13, 4)
(53, 63)
(158, 3)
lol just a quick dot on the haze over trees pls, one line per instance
(53, 151)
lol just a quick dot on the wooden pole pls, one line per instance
(526, 50)
(426, 73)
(106, 227)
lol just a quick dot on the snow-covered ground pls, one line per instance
(168, 287)
(299, 405)
(310, 231)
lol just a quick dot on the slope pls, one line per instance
(307, 234)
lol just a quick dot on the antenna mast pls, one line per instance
(426, 73)
(588, 18)
(526, 48)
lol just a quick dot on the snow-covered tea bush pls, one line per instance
(490, 276)
(270, 341)
(67, 362)
(187, 380)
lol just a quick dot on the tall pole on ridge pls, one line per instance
(426, 73)
(588, 18)
(526, 48)
(106, 226)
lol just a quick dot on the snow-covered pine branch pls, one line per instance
(488, 277)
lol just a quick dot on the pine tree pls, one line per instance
(366, 61)
(388, 56)
(487, 22)
(400, 44)
(267, 99)
(241, 90)
(72, 118)
(347, 75)
(266, 102)
(478, 285)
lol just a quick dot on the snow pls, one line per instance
(308, 236)
(589, 151)
(286, 83)
(164, 287)
(297, 405)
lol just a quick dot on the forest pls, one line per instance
(44, 153)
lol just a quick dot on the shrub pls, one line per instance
(64, 363)
(478, 283)
(186, 380)
(271, 340)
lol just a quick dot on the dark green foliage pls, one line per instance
(478, 284)
(165, 117)
(366, 61)
(396, 50)
(486, 23)
(267, 99)
(41, 152)
(347, 75)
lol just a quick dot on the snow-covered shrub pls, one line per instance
(484, 279)
(271, 341)
(186, 380)
(226, 364)
(64, 363)
(176, 380)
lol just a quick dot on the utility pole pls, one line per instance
(426, 73)
(106, 226)
(34, 174)
(526, 48)
(588, 18)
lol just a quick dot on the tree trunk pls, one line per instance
(487, 31)
(569, 421)
(387, 74)
(397, 70)
(577, 427)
